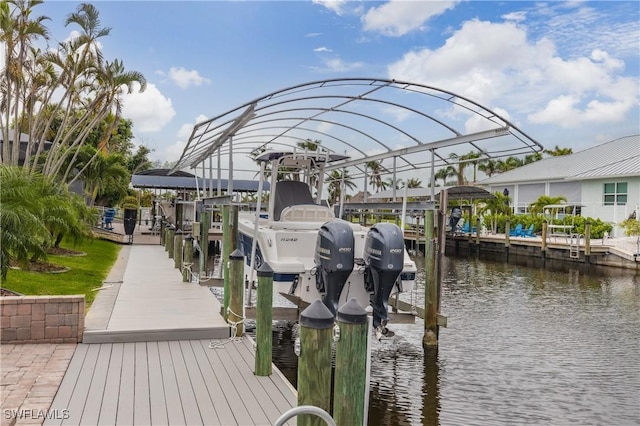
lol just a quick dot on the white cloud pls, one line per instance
(338, 65)
(497, 64)
(185, 78)
(336, 6)
(175, 150)
(150, 111)
(322, 49)
(399, 17)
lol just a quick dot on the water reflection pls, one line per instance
(525, 345)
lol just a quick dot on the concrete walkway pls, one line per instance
(144, 299)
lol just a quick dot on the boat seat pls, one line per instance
(306, 213)
(290, 193)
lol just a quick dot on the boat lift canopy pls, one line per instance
(415, 126)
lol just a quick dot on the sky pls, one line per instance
(567, 73)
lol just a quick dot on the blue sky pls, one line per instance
(567, 73)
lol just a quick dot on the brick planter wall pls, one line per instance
(42, 319)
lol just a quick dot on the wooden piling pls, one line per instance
(162, 232)
(188, 259)
(205, 224)
(264, 318)
(170, 242)
(430, 283)
(314, 362)
(350, 380)
(226, 251)
(587, 242)
(507, 243)
(177, 251)
(236, 296)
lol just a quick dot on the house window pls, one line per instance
(615, 194)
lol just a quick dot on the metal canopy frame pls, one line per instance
(369, 119)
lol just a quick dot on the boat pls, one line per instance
(313, 254)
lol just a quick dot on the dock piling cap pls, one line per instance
(236, 255)
(317, 316)
(265, 270)
(352, 313)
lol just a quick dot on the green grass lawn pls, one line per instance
(86, 272)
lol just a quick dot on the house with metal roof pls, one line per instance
(604, 179)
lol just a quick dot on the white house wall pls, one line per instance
(593, 199)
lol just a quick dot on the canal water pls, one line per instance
(524, 345)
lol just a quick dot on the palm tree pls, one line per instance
(532, 158)
(495, 207)
(489, 167)
(309, 145)
(375, 178)
(336, 178)
(472, 158)
(440, 174)
(557, 151)
(24, 235)
(537, 207)
(103, 172)
(18, 32)
(509, 164)
(414, 183)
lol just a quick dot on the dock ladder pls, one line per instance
(574, 246)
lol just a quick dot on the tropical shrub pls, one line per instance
(631, 227)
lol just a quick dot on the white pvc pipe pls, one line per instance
(254, 243)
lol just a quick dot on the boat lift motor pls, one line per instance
(384, 260)
(334, 261)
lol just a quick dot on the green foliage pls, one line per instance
(598, 227)
(130, 202)
(537, 207)
(631, 227)
(35, 213)
(85, 275)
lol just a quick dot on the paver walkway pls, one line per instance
(30, 376)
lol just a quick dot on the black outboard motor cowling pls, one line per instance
(384, 260)
(334, 261)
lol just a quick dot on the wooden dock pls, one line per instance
(169, 383)
(156, 351)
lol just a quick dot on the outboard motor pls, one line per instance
(334, 261)
(456, 214)
(384, 260)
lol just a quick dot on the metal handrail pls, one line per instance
(305, 409)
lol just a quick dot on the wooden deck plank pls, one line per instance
(93, 404)
(219, 398)
(203, 399)
(240, 413)
(276, 393)
(171, 393)
(275, 405)
(79, 396)
(142, 411)
(286, 389)
(158, 403)
(109, 408)
(127, 382)
(68, 384)
(187, 395)
(238, 380)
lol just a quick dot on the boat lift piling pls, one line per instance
(235, 312)
(226, 251)
(264, 318)
(313, 348)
